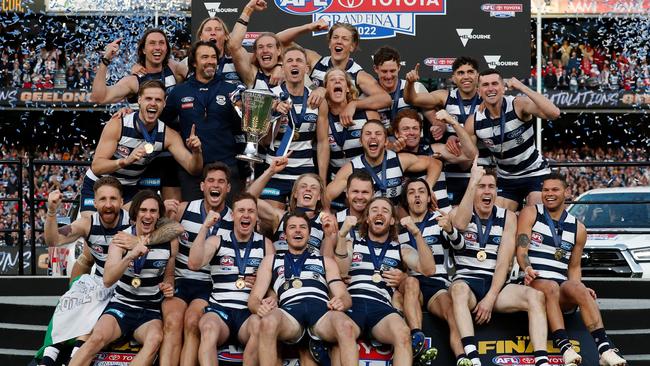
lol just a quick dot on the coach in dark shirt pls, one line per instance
(204, 100)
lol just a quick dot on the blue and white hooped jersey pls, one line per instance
(261, 81)
(302, 148)
(541, 250)
(130, 139)
(516, 156)
(224, 271)
(437, 240)
(362, 269)
(166, 76)
(192, 220)
(440, 188)
(315, 235)
(387, 114)
(394, 175)
(312, 276)
(351, 148)
(99, 238)
(325, 63)
(148, 295)
(340, 218)
(467, 265)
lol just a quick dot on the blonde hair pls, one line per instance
(352, 93)
(293, 201)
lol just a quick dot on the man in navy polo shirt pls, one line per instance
(204, 101)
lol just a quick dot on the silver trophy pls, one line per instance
(257, 106)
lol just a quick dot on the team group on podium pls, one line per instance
(385, 206)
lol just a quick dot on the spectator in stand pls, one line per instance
(573, 63)
(566, 51)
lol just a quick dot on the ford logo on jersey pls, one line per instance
(159, 264)
(390, 262)
(432, 239)
(515, 133)
(314, 242)
(355, 133)
(393, 182)
(311, 117)
(303, 7)
(315, 268)
(255, 262)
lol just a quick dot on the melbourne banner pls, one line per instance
(431, 32)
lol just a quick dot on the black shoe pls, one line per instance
(319, 352)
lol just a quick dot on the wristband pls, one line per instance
(341, 255)
(51, 214)
(242, 22)
(334, 280)
(105, 61)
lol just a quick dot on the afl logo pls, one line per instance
(470, 236)
(280, 270)
(350, 4)
(185, 236)
(123, 151)
(98, 249)
(305, 7)
(536, 237)
(357, 257)
(227, 261)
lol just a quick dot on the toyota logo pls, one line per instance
(350, 4)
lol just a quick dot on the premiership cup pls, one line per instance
(257, 108)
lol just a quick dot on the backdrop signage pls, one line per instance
(429, 32)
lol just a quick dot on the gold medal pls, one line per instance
(286, 285)
(376, 277)
(559, 254)
(240, 283)
(296, 283)
(296, 135)
(481, 255)
(148, 148)
(136, 282)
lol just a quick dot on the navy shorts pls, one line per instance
(88, 195)
(307, 312)
(430, 287)
(130, 319)
(518, 189)
(188, 289)
(234, 318)
(366, 313)
(161, 172)
(277, 190)
(479, 286)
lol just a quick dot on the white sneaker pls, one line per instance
(571, 357)
(611, 358)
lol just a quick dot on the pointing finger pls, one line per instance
(193, 132)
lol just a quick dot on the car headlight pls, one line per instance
(641, 254)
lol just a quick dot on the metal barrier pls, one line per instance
(32, 163)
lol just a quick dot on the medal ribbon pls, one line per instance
(297, 121)
(502, 121)
(150, 138)
(556, 233)
(420, 226)
(241, 264)
(293, 266)
(483, 236)
(222, 62)
(377, 261)
(461, 106)
(339, 137)
(138, 263)
(395, 104)
(382, 183)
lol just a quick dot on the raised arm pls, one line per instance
(421, 163)
(103, 94)
(467, 146)
(337, 186)
(66, 234)
(289, 35)
(323, 145)
(533, 104)
(420, 260)
(190, 161)
(461, 215)
(434, 100)
(241, 58)
(277, 165)
(203, 249)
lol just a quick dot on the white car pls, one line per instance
(618, 227)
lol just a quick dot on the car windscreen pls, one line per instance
(614, 210)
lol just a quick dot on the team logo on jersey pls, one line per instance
(502, 10)
(185, 236)
(123, 151)
(303, 7)
(98, 249)
(536, 237)
(221, 100)
(374, 19)
(227, 261)
(357, 257)
(469, 236)
(280, 271)
(159, 264)
(488, 142)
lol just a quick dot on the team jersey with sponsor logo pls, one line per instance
(362, 269)
(393, 178)
(192, 220)
(542, 249)
(99, 238)
(312, 276)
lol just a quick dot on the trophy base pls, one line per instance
(250, 158)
